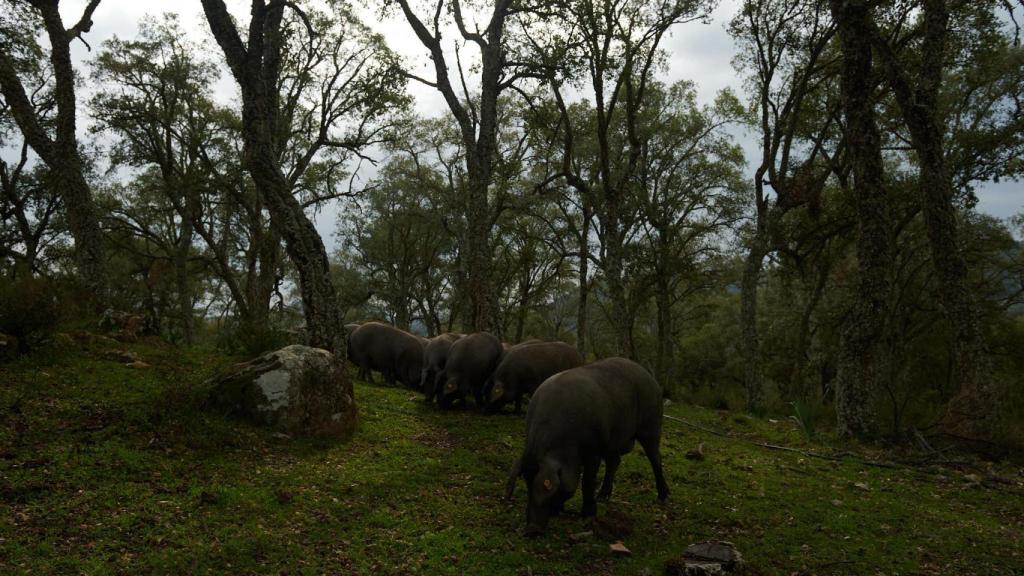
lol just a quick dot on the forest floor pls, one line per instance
(107, 469)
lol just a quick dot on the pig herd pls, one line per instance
(578, 414)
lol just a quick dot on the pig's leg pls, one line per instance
(589, 486)
(652, 447)
(611, 464)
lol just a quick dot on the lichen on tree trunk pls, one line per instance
(753, 375)
(970, 411)
(59, 149)
(255, 66)
(860, 359)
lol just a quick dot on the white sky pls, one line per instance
(698, 52)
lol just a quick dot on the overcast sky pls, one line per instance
(698, 52)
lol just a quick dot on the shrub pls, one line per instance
(250, 339)
(29, 310)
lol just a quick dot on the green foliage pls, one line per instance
(250, 339)
(1007, 340)
(30, 310)
(710, 369)
(396, 238)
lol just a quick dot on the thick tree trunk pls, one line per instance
(255, 68)
(403, 309)
(859, 363)
(803, 341)
(482, 300)
(183, 285)
(753, 374)
(324, 322)
(583, 269)
(612, 266)
(83, 222)
(60, 151)
(479, 137)
(970, 412)
(663, 364)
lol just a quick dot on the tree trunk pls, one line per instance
(584, 282)
(859, 363)
(305, 248)
(255, 68)
(403, 309)
(483, 304)
(803, 341)
(83, 222)
(479, 137)
(665, 349)
(753, 374)
(612, 265)
(524, 299)
(970, 411)
(60, 152)
(182, 284)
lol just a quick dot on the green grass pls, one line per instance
(106, 469)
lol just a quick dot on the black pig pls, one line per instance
(471, 361)
(435, 357)
(395, 353)
(576, 419)
(524, 367)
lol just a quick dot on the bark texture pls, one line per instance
(970, 412)
(255, 66)
(479, 132)
(860, 363)
(583, 270)
(753, 373)
(59, 149)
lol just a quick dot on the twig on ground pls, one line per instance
(841, 456)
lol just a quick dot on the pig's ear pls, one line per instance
(549, 481)
(497, 391)
(551, 474)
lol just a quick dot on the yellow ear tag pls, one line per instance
(547, 484)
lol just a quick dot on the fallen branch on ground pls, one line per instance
(990, 480)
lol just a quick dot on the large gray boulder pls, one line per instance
(298, 390)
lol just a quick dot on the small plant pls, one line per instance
(805, 419)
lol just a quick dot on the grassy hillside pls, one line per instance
(110, 469)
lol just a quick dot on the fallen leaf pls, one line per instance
(619, 549)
